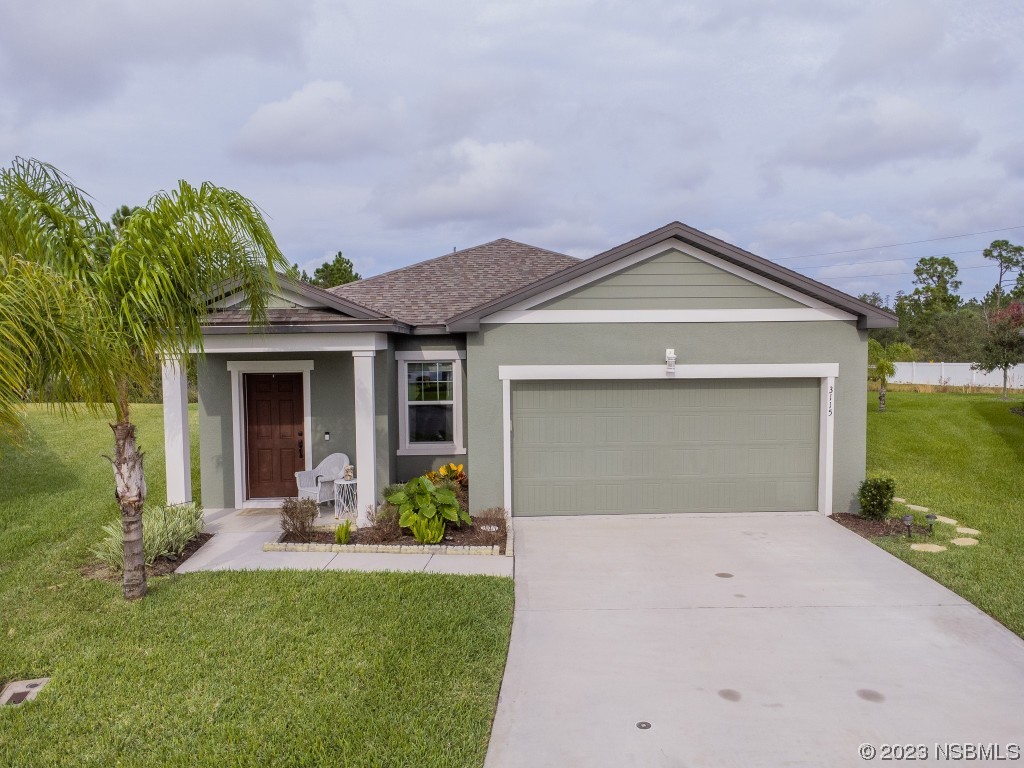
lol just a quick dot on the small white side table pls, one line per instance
(344, 498)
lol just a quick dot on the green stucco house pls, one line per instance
(673, 373)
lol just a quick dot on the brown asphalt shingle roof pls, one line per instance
(430, 292)
(275, 316)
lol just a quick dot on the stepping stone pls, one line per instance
(898, 500)
(946, 520)
(916, 508)
(927, 548)
(968, 531)
(963, 542)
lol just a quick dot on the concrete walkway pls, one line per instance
(239, 536)
(743, 640)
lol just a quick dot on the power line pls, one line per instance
(892, 274)
(881, 261)
(897, 245)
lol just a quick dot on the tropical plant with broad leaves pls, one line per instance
(424, 509)
(89, 309)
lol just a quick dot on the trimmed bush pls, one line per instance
(166, 531)
(297, 516)
(875, 497)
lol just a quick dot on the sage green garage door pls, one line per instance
(623, 447)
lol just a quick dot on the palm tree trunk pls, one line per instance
(881, 395)
(130, 492)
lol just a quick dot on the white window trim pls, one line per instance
(457, 446)
(826, 373)
(238, 369)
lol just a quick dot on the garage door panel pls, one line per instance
(664, 446)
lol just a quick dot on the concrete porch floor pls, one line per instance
(239, 536)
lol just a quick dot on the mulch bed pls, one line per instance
(161, 567)
(872, 529)
(466, 536)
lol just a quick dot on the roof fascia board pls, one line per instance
(388, 326)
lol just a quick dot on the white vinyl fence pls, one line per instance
(955, 375)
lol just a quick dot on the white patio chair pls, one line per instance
(318, 483)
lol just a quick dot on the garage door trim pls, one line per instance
(826, 373)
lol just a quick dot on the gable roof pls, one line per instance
(868, 315)
(430, 292)
(328, 312)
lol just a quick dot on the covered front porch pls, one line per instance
(275, 403)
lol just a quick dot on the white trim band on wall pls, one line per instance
(712, 371)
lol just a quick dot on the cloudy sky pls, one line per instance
(397, 131)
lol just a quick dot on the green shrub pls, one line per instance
(875, 497)
(391, 490)
(427, 530)
(423, 508)
(166, 531)
(297, 516)
(343, 532)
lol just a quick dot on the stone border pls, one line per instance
(402, 549)
(381, 549)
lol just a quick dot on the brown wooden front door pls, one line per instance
(275, 451)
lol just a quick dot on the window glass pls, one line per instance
(431, 424)
(430, 382)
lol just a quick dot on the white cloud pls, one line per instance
(320, 122)
(467, 181)
(866, 135)
(58, 53)
(912, 40)
(887, 37)
(827, 231)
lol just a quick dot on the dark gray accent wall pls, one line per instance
(644, 344)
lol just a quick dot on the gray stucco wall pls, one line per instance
(332, 408)
(645, 344)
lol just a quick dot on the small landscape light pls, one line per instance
(931, 524)
(908, 520)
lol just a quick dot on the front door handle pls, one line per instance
(302, 447)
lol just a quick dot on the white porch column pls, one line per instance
(366, 434)
(176, 436)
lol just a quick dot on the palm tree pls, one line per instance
(882, 363)
(108, 303)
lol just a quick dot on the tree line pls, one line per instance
(937, 324)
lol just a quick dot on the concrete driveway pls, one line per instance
(743, 640)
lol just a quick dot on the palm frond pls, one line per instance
(175, 252)
(52, 343)
(46, 219)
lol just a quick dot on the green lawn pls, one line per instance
(963, 457)
(222, 669)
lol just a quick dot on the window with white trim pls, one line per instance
(430, 394)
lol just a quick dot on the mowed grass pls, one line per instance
(224, 669)
(963, 457)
